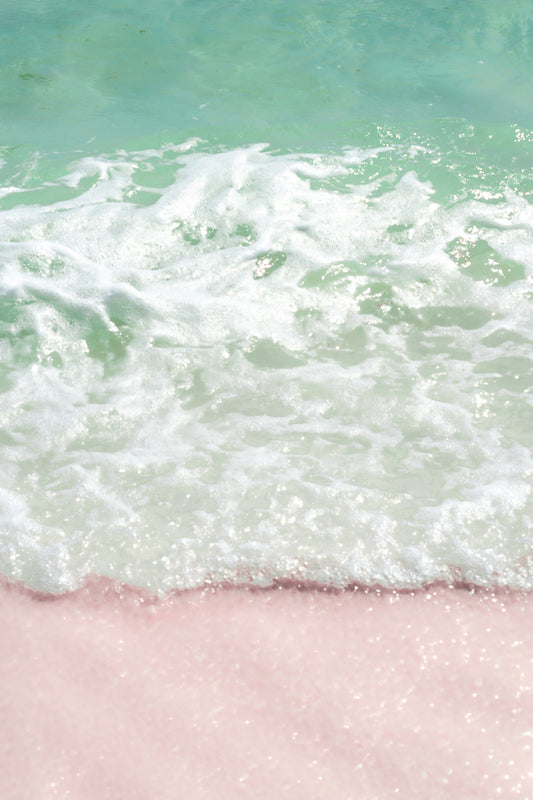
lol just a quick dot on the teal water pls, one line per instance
(306, 76)
(265, 292)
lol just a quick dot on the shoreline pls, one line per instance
(102, 585)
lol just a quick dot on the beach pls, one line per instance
(108, 693)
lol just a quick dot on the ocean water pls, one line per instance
(266, 293)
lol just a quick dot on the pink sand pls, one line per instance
(266, 694)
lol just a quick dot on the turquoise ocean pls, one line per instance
(266, 283)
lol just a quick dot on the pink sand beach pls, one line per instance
(262, 694)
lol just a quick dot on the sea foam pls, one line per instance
(246, 366)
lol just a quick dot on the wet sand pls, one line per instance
(264, 694)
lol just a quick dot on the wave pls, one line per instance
(245, 366)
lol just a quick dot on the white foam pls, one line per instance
(284, 367)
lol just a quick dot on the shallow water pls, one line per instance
(265, 293)
(308, 75)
